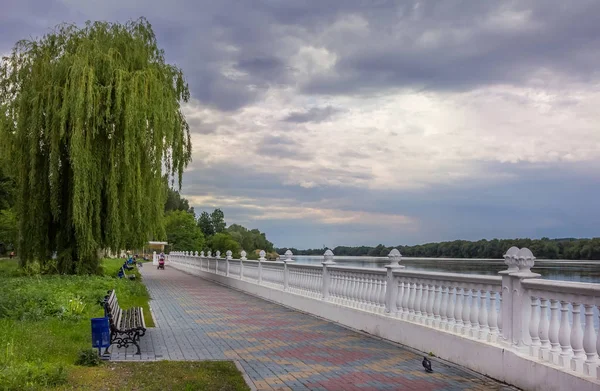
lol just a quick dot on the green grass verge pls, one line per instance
(159, 375)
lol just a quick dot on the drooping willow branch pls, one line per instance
(90, 119)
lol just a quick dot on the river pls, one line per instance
(565, 270)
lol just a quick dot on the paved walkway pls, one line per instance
(278, 348)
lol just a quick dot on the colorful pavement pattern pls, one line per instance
(278, 348)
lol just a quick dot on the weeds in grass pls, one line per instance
(88, 358)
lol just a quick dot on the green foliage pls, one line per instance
(585, 249)
(88, 358)
(249, 240)
(205, 224)
(8, 227)
(89, 118)
(217, 218)
(176, 202)
(182, 232)
(224, 242)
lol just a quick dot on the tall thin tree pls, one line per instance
(91, 120)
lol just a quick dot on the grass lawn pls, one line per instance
(45, 323)
(159, 376)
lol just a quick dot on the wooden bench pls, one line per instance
(123, 273)
(126, 326)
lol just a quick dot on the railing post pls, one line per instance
(227, 259)
(391, 290)
(507, 310)
(262, 258)
(242, 259)
(286, 272)
(154, 258)
(326, 279)
(516, 304)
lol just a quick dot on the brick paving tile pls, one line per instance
(278, 348)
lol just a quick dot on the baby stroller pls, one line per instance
(161, 263)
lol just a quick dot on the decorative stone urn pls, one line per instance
(218, 254)
(525, 260)
(209, 254)
(262, 255)
(328, 257)
(395, 257)
(288, 256)
(243, 255)
(228, 254)
(510, 259)
(202, 254)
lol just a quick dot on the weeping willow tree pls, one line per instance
(91, 121)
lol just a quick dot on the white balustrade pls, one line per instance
(272, 274)
(235, 267)
(553, 321)
(565, 339)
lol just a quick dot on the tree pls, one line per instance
(249, 240)
(91, 120)
(176, 202)
(8, 228)
(205, 224)
(222, 242)
(182, 232)
(217, 218)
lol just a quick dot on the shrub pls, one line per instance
(88, 358)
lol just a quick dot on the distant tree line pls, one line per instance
(545, 248)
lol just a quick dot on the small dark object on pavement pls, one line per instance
(427, 364)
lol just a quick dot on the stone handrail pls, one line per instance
(509, 311)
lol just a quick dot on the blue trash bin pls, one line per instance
(100, 333)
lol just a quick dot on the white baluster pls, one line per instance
(431, 300)
(376, 288)
(363, 290)
(399, 298)
(427, 292)
(450, 309)
(474, 314)
(484, 329)
(384, 287)
(437, 305)
(372, 293)
(458, 311)
(543, 331)
(589, 342)
(418, 302)
(564, 335)
(534, 328)
(493, 318)
(353, 289)
(443, 307)
(576, 340)
(553, 331)
(466, 315)
(411, 300)
(500, 313)
(406, 298)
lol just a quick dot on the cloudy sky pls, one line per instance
(371, 121)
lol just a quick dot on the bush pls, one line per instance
(88, 358)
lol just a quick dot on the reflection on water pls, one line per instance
(565, 270)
